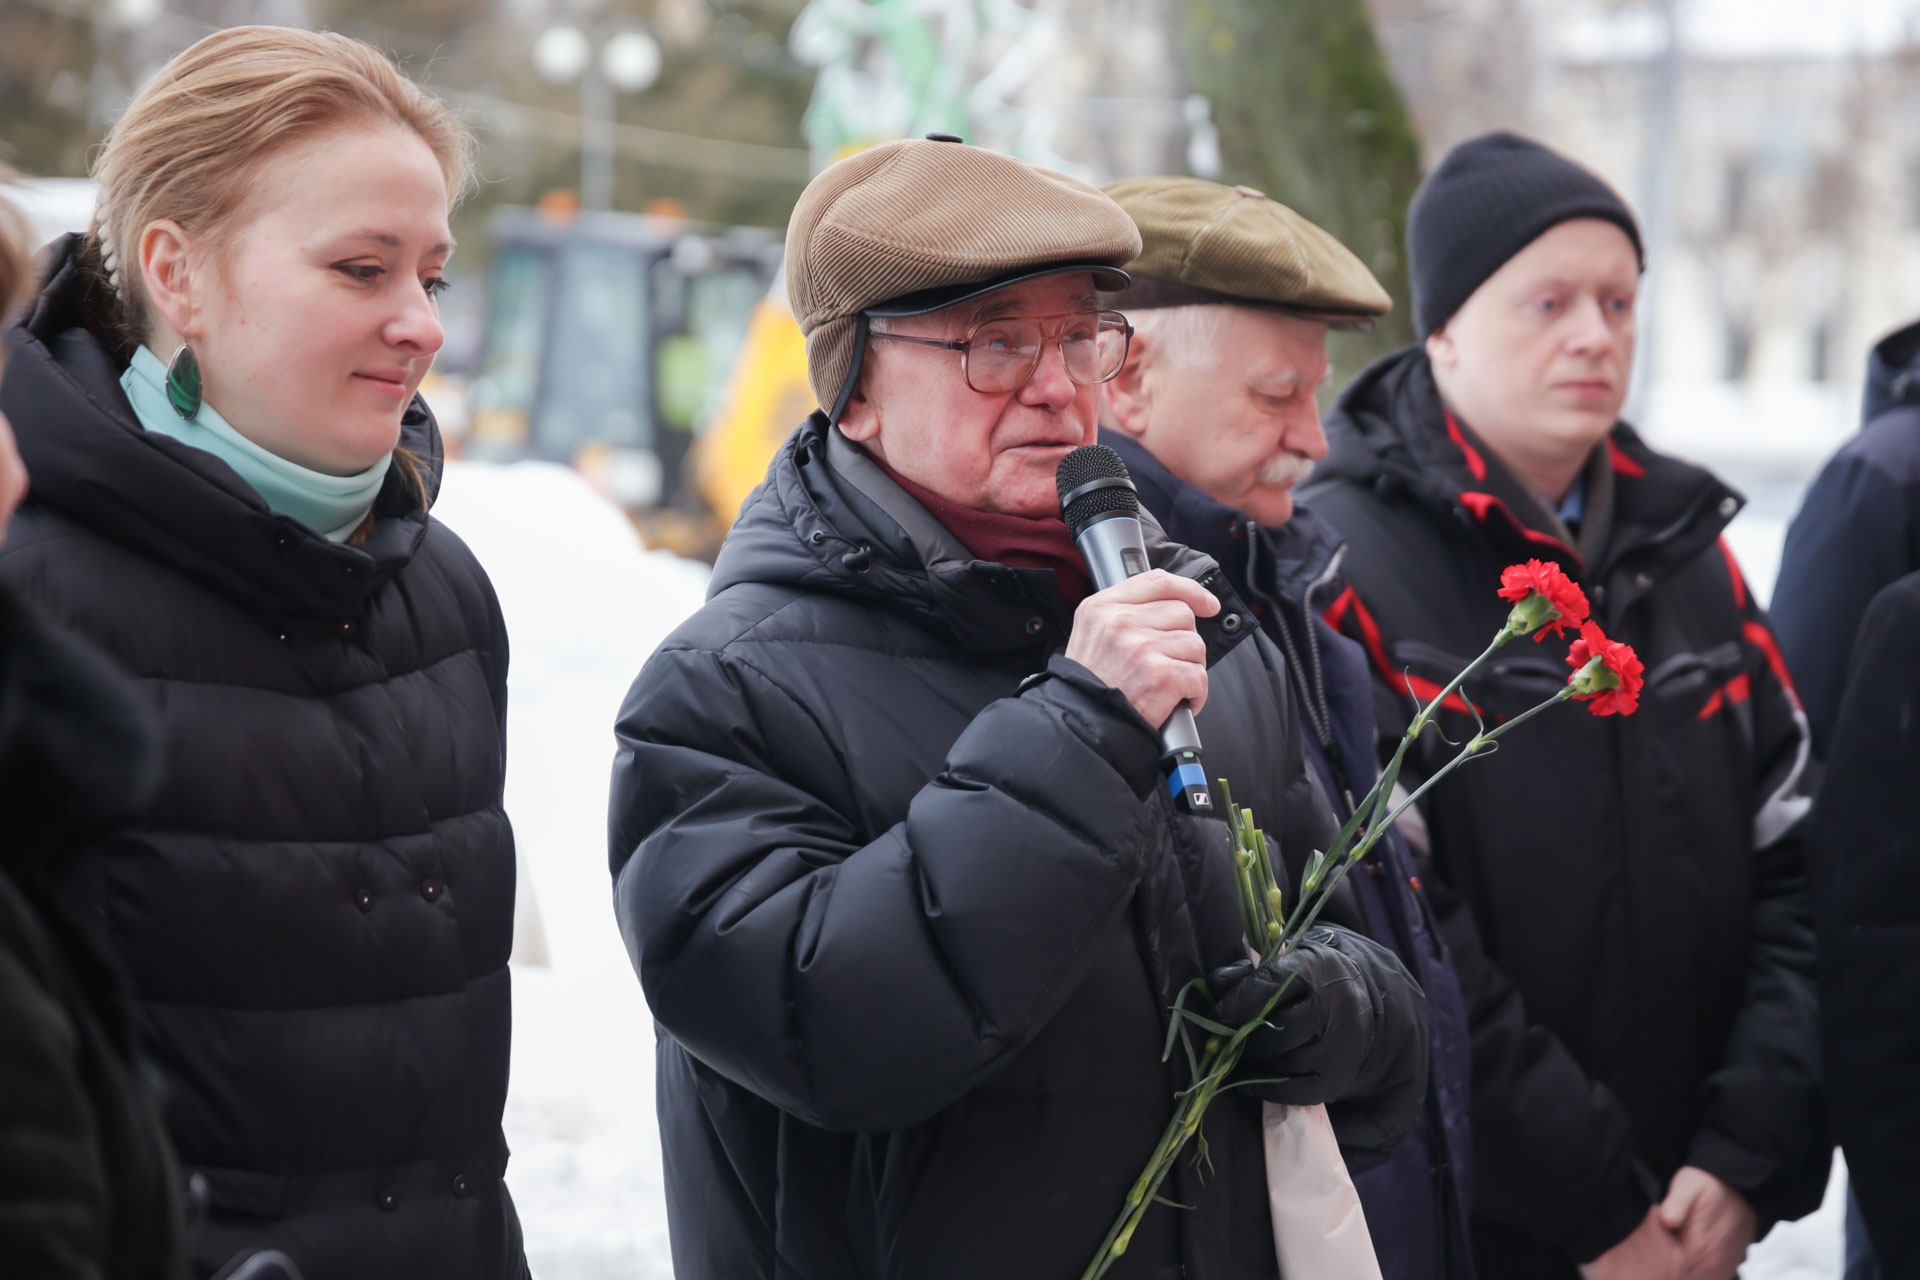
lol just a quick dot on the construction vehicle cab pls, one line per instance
(607, 343)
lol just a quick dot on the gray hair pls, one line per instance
(1188, 336)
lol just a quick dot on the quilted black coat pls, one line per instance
(316, 908)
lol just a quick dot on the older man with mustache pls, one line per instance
(1215, 413)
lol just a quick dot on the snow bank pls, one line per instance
(585, 604)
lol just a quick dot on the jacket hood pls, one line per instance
(1386, 422)
(89, 460)
(1388, 431)
(828, 519)
(1893, 373)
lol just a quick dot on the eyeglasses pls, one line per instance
(999, 356)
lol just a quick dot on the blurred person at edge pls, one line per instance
(91, 1189)
(893, 852)
(1857, 533)
(1865, 854)
(1625, 899)
(1216, 415)
(316, 907)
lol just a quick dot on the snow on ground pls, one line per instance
(585, 604)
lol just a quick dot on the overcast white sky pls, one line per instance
(1747, 28)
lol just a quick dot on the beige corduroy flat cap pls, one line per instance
(1204, 242)
(916, 225)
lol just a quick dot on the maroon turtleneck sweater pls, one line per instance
(1015, 541)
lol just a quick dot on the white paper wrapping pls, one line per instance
(1319, 1228)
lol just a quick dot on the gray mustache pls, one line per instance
(1287, 468)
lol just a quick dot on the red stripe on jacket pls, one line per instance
(1425, 690)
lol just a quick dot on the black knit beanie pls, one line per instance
(1490, 198)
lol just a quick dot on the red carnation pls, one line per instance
(1544, 599)
(1611, 686)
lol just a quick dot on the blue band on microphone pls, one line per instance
(1184, 776)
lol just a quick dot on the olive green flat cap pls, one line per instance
(916, 225)
(1203, 242)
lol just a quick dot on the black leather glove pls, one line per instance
(1350, 1030)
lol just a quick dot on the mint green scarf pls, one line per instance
(332, 506)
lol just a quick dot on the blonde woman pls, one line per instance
(214, 395)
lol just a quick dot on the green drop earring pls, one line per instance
(183, 383)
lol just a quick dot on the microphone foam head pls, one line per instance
(1090, 465)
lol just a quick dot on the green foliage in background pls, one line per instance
(1308, 112)
(47, 79)
(726, 75)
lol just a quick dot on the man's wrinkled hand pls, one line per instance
(1713, 1222)
(1651, 1253)
(1139, 637)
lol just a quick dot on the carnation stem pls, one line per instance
(1261, 917)
(1425, 717)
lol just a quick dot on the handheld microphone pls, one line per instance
(1102, 510)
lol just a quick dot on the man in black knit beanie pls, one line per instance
(1625, 900)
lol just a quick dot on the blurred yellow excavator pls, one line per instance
(764, 401)
(642, 349)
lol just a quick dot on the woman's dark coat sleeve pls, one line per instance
(865, 981)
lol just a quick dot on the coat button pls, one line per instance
(363, 900)
(432, 889)
(1643, 580)
(462, 1186)
(1036, 625)
(1728, 506)
(388, 1201)
(1230, 624)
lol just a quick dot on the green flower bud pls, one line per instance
(1595, 677)
(1531, 614)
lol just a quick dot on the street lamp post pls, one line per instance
(602, 58)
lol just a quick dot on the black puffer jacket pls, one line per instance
(316, 909)
(1856, 533)
(90, 1189)
(911, 930)
(1866, 858)
(1625, 898)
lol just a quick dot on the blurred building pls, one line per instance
(1774, 151)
